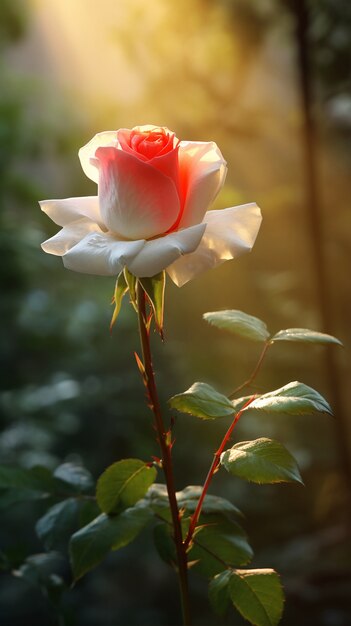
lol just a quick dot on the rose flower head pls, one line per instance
(151, 212)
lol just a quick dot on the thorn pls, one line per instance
(157, 461)
(168, 439)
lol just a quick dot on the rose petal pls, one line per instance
(101, 254)
(63, 212)
(87, 153)
(69, 236)
(136, 200)
(229, 233)
(202, 174)
(158, 253)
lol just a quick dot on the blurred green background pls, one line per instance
(232, 71)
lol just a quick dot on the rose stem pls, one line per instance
(211, 472)
(166, 451)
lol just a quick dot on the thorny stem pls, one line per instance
(211, 472)
(164, 440)
(254, 373)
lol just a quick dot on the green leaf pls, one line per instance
(154, 288)
(123, 484)
(19, 484)
(258, 596)
(239, 323)
(261, 461)
(219, 544)
(292, 399)
(45, 571)
(304, 335)
(90, 545)
(218, 592)
(121, 289)
(76, 476)
(58, 522)
(164, 543)
(202, 401)
(188, 499)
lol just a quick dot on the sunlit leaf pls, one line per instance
(261, 461)
(292, 399)
(258, 596)
(90, 545)
(239, 323)
(202, 401)
(123, 484)
(304, 335)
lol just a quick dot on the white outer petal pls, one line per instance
(101, 254)
(87, 153)
(64, 211)
(229, 233)
(69, 236)
(158, 254)
(207, 170)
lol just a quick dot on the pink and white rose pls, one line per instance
(151, 211)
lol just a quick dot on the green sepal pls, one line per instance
(124, 483)
(154, 288)
(203, 401)
(121, 288)
(91, 544)
(262, 461)
(131, 281)
(304, 335)
(258, 595)
(292, 399)
(239, 323)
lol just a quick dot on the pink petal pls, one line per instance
(202, 174)
(136, 200)
(229, 233)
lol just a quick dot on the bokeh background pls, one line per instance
(269, 81)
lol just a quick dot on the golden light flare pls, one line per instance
(80, 43)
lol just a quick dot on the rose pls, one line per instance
(151, 212)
